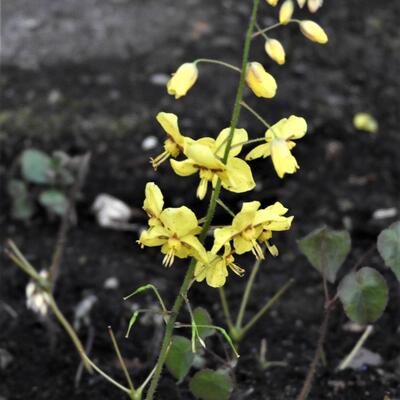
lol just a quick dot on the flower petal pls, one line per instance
(181, 221)
(203, 156)
(262, 150)
(242, 245)
(284, 162)
(197, 249)
(239, 136)
(183, 168)
(221, 237)
(169, 122)
(239, 177)
(294, 128)
(154, 236)
(246, 216)
(154, 201)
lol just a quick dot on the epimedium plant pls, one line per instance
(41, 179)
(219, 165)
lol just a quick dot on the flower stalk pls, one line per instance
(211, 210)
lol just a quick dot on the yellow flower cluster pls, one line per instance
(176, 230)
(216, 161)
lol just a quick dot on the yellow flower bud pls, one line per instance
(314, 5)
(183, 79)
(272, 3)
(365, 122)
(286, 12)
(313, 31)
(301, 3)
(260, 81)
(275, 50)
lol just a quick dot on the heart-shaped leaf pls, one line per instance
(54, 201)
(202, 317)
(211, 385)
(36, 166)
(389, 247)
(364, 295)
(326, 250)
(180, 357)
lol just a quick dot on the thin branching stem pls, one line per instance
(218, 62)
(210, 213)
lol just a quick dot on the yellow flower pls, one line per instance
(204, 156)
(215, 271)
(260, 81)
(249, 226)
(153, 203)
(311, 30)
(279, 141)
(176, 234)
(286, 12)
(301, 3)
(314, 5)
(275, 50)
(174, 143)
(183, 79)
(365, 122)
(272, 3)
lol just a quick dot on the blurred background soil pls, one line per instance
(89, 76)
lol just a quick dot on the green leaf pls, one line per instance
(54, 201)
(211, 385)
(326, 250)
(202, 317)
(180, 357)
(22, 206)
(36, 166)
(364, 295)
(389, 247)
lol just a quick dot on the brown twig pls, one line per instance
(317, 356)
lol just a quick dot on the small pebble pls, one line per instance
(383, 213)
(149, 143)
(111, 283)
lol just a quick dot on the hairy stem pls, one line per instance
(210, 213)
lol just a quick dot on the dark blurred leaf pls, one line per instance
(364, 295)
(326, 250)
(202, 317)
(22, 206)
(389, 247)
(36, 166)
(180, 357)
(211, 385)
(54, 201)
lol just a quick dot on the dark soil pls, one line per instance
(107, 106)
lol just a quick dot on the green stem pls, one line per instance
(266, 307)
(212, 61)
(225, 207)
(246, 295)
(210, 213)
(225, 308)
(256, 114)
(121, 362)
(269, 28)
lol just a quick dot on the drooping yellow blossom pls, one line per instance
(174, 143)
(275, 50)
(365, 122)
(249, 226)
(286, 12)
(272, 3)
(183, 79)
(153, 203)
(205, 157)
(279, 141)
(176, 234)
(260, 81)
(311, 30)
(314, 5)
(215, 271)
